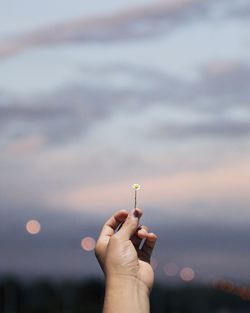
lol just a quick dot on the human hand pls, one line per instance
(118, 252)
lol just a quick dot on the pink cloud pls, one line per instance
(96, 28)
(26, 144)
(218, 184)
(221, 67)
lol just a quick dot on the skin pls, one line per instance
(128, 274)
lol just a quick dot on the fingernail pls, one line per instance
(136, 213)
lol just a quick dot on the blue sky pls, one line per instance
(96, 96)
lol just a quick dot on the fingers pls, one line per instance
(130, 225)
(148, 246)
(144, 243)
(112, 223)
(129, 230)
(142, 231)
(140, 235)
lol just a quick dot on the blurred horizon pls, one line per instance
(97, 96)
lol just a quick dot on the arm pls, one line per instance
(128, 274)
(124, 295)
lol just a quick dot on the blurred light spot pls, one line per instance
(154, 263)
(33, 227)
(225, 285)
(88, 243)
(171, 269)
(187, 274)
(233, 288)
(244, 293)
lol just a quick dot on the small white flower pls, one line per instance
(136, 186)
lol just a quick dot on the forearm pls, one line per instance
(125, 294)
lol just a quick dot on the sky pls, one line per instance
(95, 96)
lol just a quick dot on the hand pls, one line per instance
(118, 252)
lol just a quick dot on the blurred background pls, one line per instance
(96, 96)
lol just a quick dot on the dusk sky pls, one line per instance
(98, 95)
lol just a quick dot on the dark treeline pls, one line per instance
(45, 296)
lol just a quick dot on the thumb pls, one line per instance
(130, 225)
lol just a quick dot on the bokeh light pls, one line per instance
(88, 243)
(187, 274)
(171, 269)
(33, 227)
(233, 288)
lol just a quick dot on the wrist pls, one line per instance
(123, 281)
(124, 293)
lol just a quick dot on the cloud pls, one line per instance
(26, 144)
(216, 186)
(240, 11)
(220, 94)
(50, 140)
(215, 129)
(225, 81)
(152, 20)
(219, 85)
(59, 116)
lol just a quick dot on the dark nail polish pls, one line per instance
(136, 213)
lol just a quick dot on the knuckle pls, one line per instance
(115, 239)
(144, 227)
(132, 221)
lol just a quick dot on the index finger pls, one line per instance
(112, 223)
